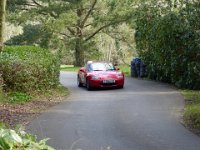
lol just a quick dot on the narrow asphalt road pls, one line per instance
(145, 115)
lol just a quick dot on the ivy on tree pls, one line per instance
(2, 21)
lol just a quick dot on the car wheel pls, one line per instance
(121, 87)
(88, 86)
(79, 82)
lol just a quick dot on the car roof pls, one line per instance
(92, 62)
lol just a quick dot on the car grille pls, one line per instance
(108, 83)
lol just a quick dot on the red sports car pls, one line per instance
(100, 75)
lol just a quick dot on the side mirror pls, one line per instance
(82, 69)
(117, 68)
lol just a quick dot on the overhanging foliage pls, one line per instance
(74, 22)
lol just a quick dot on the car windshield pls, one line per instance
(101, 66)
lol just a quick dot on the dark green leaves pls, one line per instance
(168, 40)
(28, 69)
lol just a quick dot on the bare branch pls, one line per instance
(88, 25)
(121, 39)
(89, 13)
(71, 30)
(35, 2)
(65, 35)
(30, 5)
(103, 27)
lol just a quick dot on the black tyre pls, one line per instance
(79, 82)
(88, 86)
(121, 87)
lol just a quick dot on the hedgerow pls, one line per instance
(27, 69)
(1, 88)
(168, 40)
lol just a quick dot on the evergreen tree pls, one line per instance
(75, 22)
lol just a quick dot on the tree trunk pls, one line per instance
(2, 21)
(79, 53)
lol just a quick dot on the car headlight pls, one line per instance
(95, 77)
(120, 76)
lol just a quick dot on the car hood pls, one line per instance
(106, 73)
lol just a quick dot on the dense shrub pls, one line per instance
(27, 69)
(168, 40)
(1, 88)
(20, 140)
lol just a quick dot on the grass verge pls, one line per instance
(69, 68)
(126, 69)
(19, 108)
(192, 110)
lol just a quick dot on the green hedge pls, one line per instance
(168, 40)
(1, 88)
(27, 69)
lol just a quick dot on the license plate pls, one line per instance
(108, 81)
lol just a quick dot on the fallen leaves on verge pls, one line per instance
(23, 113)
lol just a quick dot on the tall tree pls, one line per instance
(2, 20)
(75, 21)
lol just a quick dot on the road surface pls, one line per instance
(145, 115)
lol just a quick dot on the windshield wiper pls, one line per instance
(97, 70)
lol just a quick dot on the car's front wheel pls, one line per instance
(79, 82)
(121, 87)
(88, 86)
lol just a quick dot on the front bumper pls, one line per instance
(101, 84)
